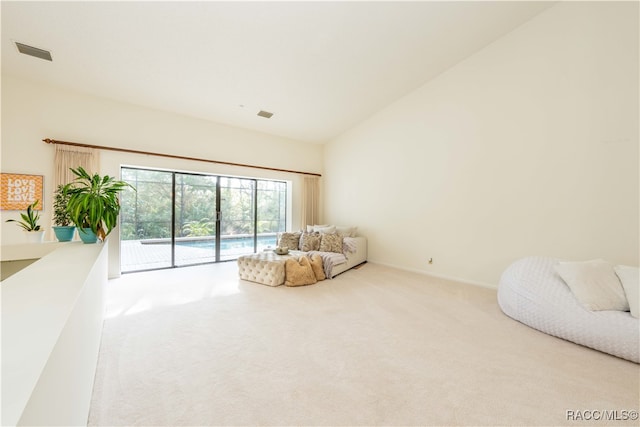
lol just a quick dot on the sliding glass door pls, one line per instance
(195, 219)
(146, 220)
(237, 217)
(176, 219)
(271, 212)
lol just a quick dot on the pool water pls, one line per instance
(233, 243)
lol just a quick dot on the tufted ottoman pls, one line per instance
(264, 267)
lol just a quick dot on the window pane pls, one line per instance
(145, 220)
(272, 215)
(195, 219)
(237, 208)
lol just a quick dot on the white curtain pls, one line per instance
(310, 201)
(67, 156)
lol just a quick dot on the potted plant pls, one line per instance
(93, 204)
(30, 224)
(63, 227)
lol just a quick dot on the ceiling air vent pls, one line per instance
(265, 114)
(34, 51)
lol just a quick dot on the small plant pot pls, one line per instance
(35, 236)
(64, 233)
(87, 236)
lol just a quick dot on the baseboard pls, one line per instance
(437, 275)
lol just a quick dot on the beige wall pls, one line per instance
(529, 147)
(32, 112)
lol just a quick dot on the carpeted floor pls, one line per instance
(374, 346)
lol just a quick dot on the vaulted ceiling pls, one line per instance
(319, 67)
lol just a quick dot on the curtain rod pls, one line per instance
(173, 156)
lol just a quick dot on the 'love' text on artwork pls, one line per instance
(21, 190)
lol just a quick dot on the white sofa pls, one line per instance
(533, 293)
(267, 268)
(359, 256)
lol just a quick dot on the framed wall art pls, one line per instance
(17, 191)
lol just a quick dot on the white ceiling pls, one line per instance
(320, 67)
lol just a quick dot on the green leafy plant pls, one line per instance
(61, 216)
(203, 227)
(93, 201)
(30, 219)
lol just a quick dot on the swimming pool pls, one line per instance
(150, 254)
(230, 243)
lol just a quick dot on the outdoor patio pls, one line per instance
(139, 255)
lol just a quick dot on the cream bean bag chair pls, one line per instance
(533, 292)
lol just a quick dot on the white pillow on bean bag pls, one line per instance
(595, 284)
(630, 279)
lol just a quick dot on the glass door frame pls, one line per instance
(218, 214)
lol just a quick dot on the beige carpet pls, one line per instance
(374, 346)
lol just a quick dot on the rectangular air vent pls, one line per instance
(265, 114)
(34, 51)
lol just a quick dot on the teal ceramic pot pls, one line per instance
(87, 236)
(64, 233)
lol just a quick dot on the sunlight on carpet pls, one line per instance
(374, 346)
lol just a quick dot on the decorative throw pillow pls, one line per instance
(630, 279)
(298, 272)
(329, 229)
(347, 231)
(310, 242)
(312, 228)
(331, 243)
(316, 266)
(289, 241)
(594, 284)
